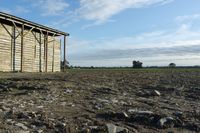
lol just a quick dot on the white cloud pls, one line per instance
(21, 9)
(97, 11)
(18, 10)
(174, 45)
(102, 10)
(51, 7)
(5, 10)
(55, 7)
(187, 18)
(182, 36)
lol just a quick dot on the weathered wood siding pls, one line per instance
(17, 50)
(10, 52)
(57, 56)
(29, 52)
(50, 55)
(5, 49)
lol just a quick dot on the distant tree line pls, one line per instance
(135, 64)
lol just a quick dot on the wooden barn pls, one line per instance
(29, 47)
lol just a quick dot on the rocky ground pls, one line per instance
(101, 101)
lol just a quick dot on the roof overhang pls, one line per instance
(9, 19)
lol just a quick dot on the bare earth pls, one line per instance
(101, 101)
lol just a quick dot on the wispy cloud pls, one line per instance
(17, 10)
(102, 10)
(180, 43)
(5, 10)
(187, 18)
(21, 9)
(54, 7)
(140, 53)
(50, 7)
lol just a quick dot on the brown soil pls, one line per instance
(143, 101)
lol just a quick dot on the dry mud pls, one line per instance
(101, 101)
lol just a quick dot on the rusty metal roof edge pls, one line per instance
(24, 21)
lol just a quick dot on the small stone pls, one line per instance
(125, 115)
(122, 115)
(156, 93)
(63, 103)
(71, 104)
(97, 107)
(40, 107)
(40, 131)
(22, 131)
(21, 125)
(140, 112)
(33, 126)
(104, 101)
(60, 124)
(93, 127)
(166, 122)
(68, 91)
(178, 114)
(114, 101)
(10, 121)
(111, 128)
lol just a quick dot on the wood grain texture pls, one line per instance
(31, 52)
(5, 49)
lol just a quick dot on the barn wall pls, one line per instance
(10, 52)
(5, 49)
(17, 51)
(57, 56)
(53, 63)
(31, 56)
(50, 55)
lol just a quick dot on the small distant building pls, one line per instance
(26, 46)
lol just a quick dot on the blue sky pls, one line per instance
(115, 32)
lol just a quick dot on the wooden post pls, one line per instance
(22, 47)
(11, 51)
(47, 52)
(40, 56)
(53, 57)
(61, 66)
(64, 62)
(14, 48)
(44, 56)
